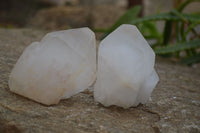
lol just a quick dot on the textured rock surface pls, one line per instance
(59, 66)
(126, 74)
(174, 107)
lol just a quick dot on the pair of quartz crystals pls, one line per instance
(63, 64)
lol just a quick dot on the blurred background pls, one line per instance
(63, 14)
(164, 23)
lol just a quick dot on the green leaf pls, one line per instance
(177, 31)
(178, 47)
(149, 29)
(166, 17)
(127, 18)
(191, 59)
(130, 17)
(191, 27)
(182, 30)
(167, 32)
(179, 14)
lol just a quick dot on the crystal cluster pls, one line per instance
(63, 64)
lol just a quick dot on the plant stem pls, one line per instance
(182, 6)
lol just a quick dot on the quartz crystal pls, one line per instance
(126, 75)
(62, 64)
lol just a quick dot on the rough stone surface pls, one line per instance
(174, 107)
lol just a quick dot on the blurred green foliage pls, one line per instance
(179, 37)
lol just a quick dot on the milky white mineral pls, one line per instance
(61, 65)
(126, 75)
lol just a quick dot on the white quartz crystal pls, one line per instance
(126, 75)
(61, 65)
